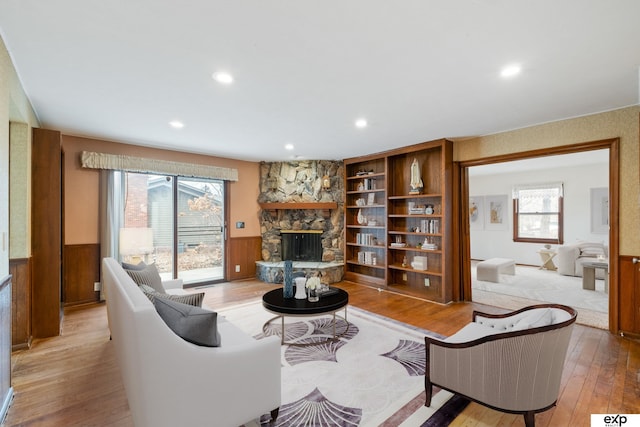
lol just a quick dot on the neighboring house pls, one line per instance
(195, 227)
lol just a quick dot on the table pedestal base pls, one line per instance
(333, 324)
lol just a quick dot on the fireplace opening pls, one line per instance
(302, 246)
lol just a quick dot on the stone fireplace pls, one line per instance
(294, 202)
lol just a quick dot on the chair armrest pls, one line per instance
(172, 284)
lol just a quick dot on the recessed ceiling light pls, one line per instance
(361, 123)
(510, 70)
(289, 147)
(176, 124)
(222, 77)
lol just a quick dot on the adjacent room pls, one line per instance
(545, 269)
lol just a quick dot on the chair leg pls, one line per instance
(428, 389)
(529, 419)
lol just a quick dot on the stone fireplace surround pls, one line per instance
(300, 203)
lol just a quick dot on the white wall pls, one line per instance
(578, 180)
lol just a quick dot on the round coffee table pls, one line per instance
(274, 302)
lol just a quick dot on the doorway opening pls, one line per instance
(587, 167)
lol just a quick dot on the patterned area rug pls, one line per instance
(372, 375)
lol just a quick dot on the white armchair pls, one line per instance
(511, 362)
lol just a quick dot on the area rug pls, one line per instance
(530, 285)
(372, 375)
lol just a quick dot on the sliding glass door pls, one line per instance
(200, 229)
(176, 223)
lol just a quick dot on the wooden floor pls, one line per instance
(73, 379)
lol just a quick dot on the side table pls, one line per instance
(547, 255)
(589, 275)
(274, 302)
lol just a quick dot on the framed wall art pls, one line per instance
(476, 213)
(496, 212)
(600, 210)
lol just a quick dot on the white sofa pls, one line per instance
(171, 382)
(570, 257)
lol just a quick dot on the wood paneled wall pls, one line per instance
(243, 252)
(46, 232)
(6, 391)
(81, 271)
(21, 335)
(630, 295)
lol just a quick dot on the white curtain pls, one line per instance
(111, 208)
(539, 190)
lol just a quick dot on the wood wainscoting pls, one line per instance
(81, 272)
(21, 335)
(629, 295)
(243, 252)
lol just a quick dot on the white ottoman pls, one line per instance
(491, 269)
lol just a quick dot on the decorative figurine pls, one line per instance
(416, 180)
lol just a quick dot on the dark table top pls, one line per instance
(274, 301)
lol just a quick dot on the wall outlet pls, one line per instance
(404, 276)
(97, 286)
(237, 269)
(427, 282)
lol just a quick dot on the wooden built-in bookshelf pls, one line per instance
(384, 238)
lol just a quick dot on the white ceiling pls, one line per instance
(306, 70)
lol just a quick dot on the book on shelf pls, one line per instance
(430, 226)
(419, 263)
(369, 184)
(367, 239)
(367, 257)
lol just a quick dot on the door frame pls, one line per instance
(462, 183)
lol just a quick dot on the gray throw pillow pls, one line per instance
(147, 276)
(191, 299)
(140, 266)
(193, 324)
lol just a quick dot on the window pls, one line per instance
(538, 213)
(176, 223)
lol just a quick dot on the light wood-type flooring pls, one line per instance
(73, 379)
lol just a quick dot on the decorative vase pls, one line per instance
(301, 292)
(361, 219)
(288, 279)
(313, 295)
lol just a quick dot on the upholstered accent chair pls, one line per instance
(510, 362)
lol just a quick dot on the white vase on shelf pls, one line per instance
(361, 219)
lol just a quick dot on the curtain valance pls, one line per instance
(556, 189)
(92, 160)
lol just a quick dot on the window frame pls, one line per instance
(560, 214)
